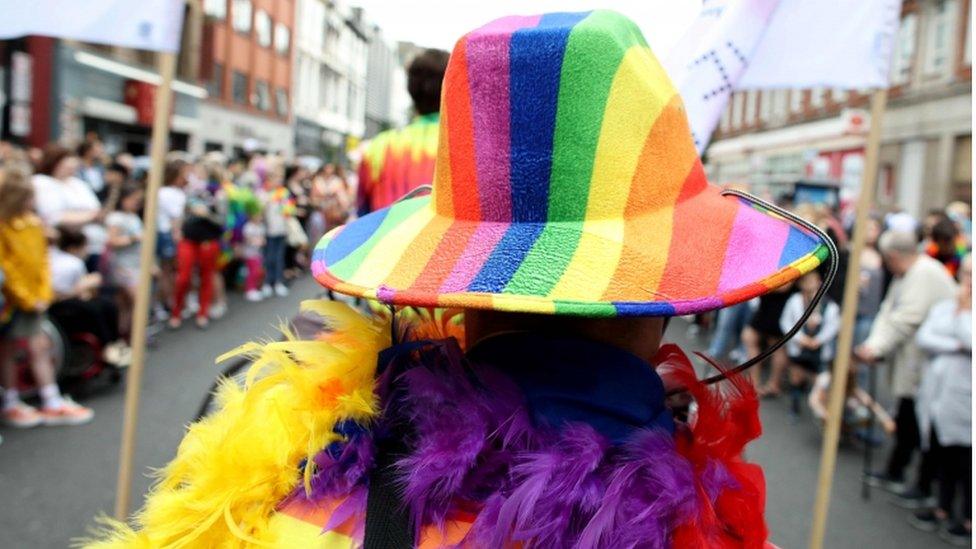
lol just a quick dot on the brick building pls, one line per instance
(771, 138)
(246, 64)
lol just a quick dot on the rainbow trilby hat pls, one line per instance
(566, 182)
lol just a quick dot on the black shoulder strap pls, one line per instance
(387, 521)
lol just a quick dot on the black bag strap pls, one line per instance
(387, 522)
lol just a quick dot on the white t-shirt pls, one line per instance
(172, 201)
(66, 270)
(54, 198)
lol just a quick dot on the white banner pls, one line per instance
(761, 44)
(141, 24)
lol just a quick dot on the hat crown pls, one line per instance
(559, 117)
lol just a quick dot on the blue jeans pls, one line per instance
(274, 260)
(728, 329)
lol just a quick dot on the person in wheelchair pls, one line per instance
(78, 306)
(27, 288)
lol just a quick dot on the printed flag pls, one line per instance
(762, 44)
(143, 24)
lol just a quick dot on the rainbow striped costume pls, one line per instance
(396, 162)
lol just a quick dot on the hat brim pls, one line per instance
(707, 252)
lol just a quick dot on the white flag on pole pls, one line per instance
(752, 44)
(141, 24)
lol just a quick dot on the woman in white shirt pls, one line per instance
(63, 199)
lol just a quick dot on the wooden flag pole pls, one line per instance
(842, 364)
(160, 135)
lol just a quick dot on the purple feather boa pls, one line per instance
(543, 486)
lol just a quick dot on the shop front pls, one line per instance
(114, 100)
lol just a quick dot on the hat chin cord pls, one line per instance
(824, 285)
(726, 373)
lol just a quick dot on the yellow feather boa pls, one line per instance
(234, 466)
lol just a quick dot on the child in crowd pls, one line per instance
(253, 252)
(78, 307)
(859, 406)
(23, 258)
(813, 346)
(278, 207)
(170, 204)
(125, 242)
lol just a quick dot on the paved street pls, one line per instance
(54, 481)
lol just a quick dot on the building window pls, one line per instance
(766, 105)
(726, 118)
(215, 86)
(738, 102)
(967, 45)
(901, 63)
(282, 39)
(962, 169)
(215, 9)
(281, 102)
(751, 101)
(796, 101)
(238, 88)
(262, 96)
(838, 95)
(938, 37)
(241, 15)
(817, 97)
(262, 27)
(780, 104)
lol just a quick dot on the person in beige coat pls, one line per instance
(919, 283)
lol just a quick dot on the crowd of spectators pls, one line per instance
(913, 320)
(71, 230)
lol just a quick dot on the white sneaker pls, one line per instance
(69, 413)
(253, 295)
(267, 291)
(281, 289)
(218, 310)
(22, 416)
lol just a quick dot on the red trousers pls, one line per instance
(255, 273)
(190, 255)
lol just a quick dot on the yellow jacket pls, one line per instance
(23, 258)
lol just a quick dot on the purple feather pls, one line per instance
(544, 486)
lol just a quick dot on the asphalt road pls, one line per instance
(54, 481)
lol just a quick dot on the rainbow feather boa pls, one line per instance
(235, 466)
(307, 406)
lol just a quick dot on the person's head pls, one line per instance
(58, 162)
(809, 283)
(933, 218)
(640, 336)
(944, 235)
(16, 195)
(175, 172)
(130, 198)
(425, 74)
(116, 174)
(72, 240)
(872, 232)
(899, 250)
(295, 172)
(90, 150)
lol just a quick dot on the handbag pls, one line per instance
(295, 235)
